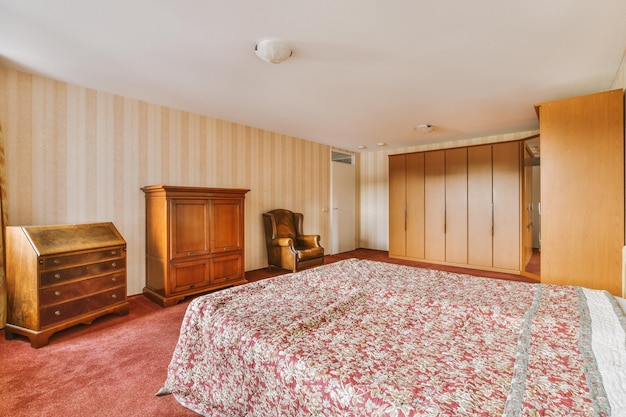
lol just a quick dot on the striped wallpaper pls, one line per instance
(78, 155)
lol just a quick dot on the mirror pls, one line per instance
(531, 213)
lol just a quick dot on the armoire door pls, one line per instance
(190, 227)
(435, 206)
(226, 225)
(456, 205)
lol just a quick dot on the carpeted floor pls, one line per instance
(111, 368)
(114, 366)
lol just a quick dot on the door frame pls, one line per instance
(340, 156)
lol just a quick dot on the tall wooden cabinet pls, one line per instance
(582, 191)
(408, 173)
(194, 241)
(458, 206)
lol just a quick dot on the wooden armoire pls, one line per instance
(582, 191)
(457, 206)
(194, 241)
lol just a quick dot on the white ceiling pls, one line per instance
(362, 71)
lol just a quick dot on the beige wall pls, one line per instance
(78, 155)
(620, 76)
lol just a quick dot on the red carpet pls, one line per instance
(114, 366)
(110, 368)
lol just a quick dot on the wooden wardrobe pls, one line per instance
(582, 191)
(194, 241)
(457, 206)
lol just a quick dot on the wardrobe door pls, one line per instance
(479, 206)
(582, 191)
(456, 205)
(506, 205)
(415, 205)
(435, 206)
(397, 205)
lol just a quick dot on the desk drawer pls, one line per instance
(60, 275)
(62, 293)
(60, 312)
(60, 261)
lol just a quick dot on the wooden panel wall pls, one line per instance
(79, 155)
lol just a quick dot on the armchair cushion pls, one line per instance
(309, 253)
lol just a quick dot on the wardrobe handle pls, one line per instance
(493, 225)
(406, 209)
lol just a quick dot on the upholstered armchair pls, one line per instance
(287, 247)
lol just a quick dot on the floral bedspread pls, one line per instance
(364, 338)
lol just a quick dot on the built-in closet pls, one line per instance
(457, 206)
(465, 206)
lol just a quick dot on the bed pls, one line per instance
(365, 338)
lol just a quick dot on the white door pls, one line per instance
(343, 203)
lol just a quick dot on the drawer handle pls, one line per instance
(114, 279)
(57, 276)
(57, 293)
(113, 252)
(226, 249)
(191, 253)
(56, 262)
(114, 264)
(57, 313)
(114, 296)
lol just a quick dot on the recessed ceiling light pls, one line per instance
(362, 147)
(381, 144)
(425, 128)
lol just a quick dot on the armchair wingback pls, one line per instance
(287, 247)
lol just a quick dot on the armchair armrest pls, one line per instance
(284, 241)
(308, 240)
